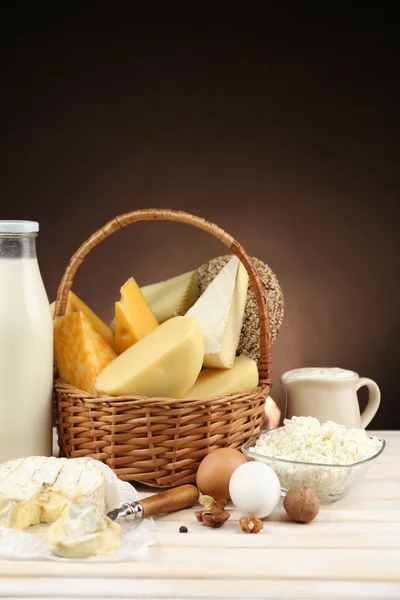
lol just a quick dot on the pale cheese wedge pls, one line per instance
(172, 297)
(242, 377)
(75, 304)
(164, 363)
(220, 311)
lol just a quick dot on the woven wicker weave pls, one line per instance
(159, 441)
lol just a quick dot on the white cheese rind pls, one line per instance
(37, 489)
(219, 312)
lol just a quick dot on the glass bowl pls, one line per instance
(329, 482)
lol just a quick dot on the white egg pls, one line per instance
(254, 489)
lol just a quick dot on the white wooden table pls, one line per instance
(352, 550)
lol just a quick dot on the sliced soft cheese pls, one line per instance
(219, 311)
(80, 351)
(81, 532)
(164, 363)
(75, 304)
(211, 382)
(134, 318)
(173, 297)
(37, 489)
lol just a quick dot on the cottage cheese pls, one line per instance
(306, 440)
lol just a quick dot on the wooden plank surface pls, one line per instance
(352, 550)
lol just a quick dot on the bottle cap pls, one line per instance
(19, 226)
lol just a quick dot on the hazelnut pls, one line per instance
(301, 504)
(251, 524)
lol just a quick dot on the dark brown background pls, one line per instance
(283, 129)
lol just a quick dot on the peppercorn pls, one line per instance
(183, 529)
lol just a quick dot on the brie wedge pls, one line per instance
(81, 532)
(219, 312)
(37, 489)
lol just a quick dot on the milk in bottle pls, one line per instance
(26, 346)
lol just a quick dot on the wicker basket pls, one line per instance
(159, 441)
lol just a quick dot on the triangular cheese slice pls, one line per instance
(134, 318)
(173, 297)
(80, 352)
(75, 304)
(219, 312)
(212, 382)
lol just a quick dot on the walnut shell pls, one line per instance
(301, 504)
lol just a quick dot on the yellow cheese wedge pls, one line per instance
(243, 376)
(165, 363)
(133, 317)
(81, 353)
(75, 304)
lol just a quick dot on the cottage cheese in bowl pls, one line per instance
(327, 457)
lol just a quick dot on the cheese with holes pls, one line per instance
(242, 377)
(75, 304)
(133, 317)
(81, 532)
(80, 352)
(37, 489)
(164, 363)
(220, 311)
(173, 297)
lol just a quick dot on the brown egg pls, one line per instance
(215, 471)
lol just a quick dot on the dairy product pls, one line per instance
(172, 297)
(317, 373)
(133, 317)
(328, 457)
(75, 304)
(305, 439)
(243, 376)
(164, 363)
(219, 312)
(81, 353)
(37, 489)
(81, 532)
(26, 360)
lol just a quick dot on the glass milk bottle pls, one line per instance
(26, 346)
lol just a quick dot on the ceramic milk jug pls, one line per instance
(329, 394)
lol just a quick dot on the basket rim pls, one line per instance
(95, 398)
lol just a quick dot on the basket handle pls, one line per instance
(158, 214)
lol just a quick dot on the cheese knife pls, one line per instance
(177, 498)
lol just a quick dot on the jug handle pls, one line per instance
(374, 400)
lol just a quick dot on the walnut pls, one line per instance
(301, 504)
(214, 514)
(212, 518)
(208, 502)
(251, 524)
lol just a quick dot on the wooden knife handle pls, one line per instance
(177, 498)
